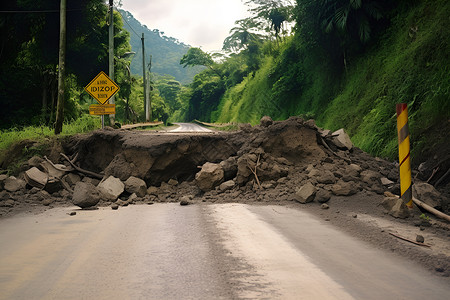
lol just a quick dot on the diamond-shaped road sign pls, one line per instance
(102, 88)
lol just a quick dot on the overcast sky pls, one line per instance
(199, 23)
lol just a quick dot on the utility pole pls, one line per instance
(111, 55)
(61, 67)
(150, 88)
(145, 81)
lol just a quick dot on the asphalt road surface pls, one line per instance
(168, 251)
(190, 127)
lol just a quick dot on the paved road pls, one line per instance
(168, 251)
(190, 127)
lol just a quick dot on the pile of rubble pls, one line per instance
(290, 160)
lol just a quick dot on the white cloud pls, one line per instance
(204, 23)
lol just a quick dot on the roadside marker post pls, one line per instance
(404, 154)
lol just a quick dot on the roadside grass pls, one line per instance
(40, 133)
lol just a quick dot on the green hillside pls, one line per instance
(341, 80)
(166, 51)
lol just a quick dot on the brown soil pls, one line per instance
(288, 151)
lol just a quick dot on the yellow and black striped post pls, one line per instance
(403, 154)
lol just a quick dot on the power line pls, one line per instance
(128, 24)
(34, 11)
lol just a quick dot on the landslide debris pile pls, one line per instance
(290, 160)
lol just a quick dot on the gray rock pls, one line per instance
(266, 121)
(342, 188)
(388, 203)
(323, 196)
(114, 206)
(13, 184)
(227, 185)
(399, 210)
(72, 179)
(210, 176)
(152, 190)
(324, 206)
(385, 181)
(36, 178)
(111, 188)
(305, 193)
(7, 203)
(370, 177)
(342, 140)
(85, 195)
(35, 161)
(420, 238)
(326, 177)
(136, 185)
(427, 193)
(229, 167)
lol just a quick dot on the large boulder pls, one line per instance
(111, 188)
(305, 193)
(427, 193)
(13, 184)
(210, 176)
(342, 140)
(136, 185)
(229, 167)
(85, 195)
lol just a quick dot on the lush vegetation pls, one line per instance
(346, 65)
(29, 45)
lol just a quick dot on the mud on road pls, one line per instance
(291, 163)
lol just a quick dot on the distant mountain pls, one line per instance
(166, 51)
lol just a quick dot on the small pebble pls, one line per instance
(184, 203)
(420, 239)
(115, 206)
(72, 213)
(355, 216)
(325, 206)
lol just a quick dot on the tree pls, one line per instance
(196, 57)
(241, 35)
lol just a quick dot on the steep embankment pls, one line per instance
(408, 63)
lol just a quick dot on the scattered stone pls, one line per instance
(72, 179)
(385, 181)
(227, 185)
(72, 213)
(305, 193)
(420, 238)
(326, 177)
(399, 210)
(323, 196)
(111, 188)
(114, 206)
(184, 202)
(55, 171)
(152, 190)
(133, 197)
(13, 184)
(342, 188)
(324, 206)
(342, 140)
(427, 193)
(48, 201)
(36, 178)
(53, 185)
(85, 195)
(135, 185)
(35, 161)
(370, 177)
(266, 121)
(210, 176)
(229, 167)
(355, 216)
(7, 203)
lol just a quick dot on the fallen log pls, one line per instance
(90, 173)
(432, 210)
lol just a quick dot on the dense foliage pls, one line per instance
(347, 65)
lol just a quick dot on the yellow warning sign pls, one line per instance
(102, 88)
(105, 109)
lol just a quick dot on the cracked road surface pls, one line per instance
(220, 251)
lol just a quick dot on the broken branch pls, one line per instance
(92, 174)
(255, 170)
